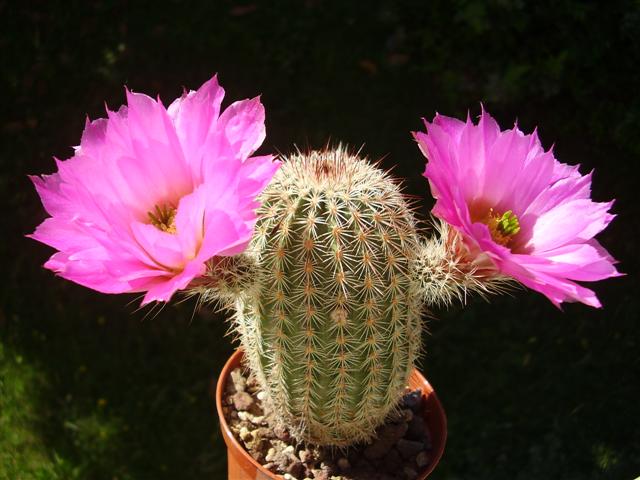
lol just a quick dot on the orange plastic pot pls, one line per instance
(241, 466)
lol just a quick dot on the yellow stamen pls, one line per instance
(163, 218)
(502, 227)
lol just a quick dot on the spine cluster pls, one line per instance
(448, 271)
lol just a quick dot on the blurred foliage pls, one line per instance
(91, 388)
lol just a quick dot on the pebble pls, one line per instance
(319, 474)
(271, 455)
(393, 459)
(243, 416)
(417, 429)
(388, 435)
(413, 400)
(261, 396)
(245, 434)
(407, 415)
(422, 459)
(255, 419)
(305, 456)
(242, 400)
(409, 448)
(230, 388)
(281, 433)
(239, 382)
(296, 469)
(410, 473)
(343, 464)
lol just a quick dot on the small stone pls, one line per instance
(417, 429)
(343, 464)
(296, 469)
(407, 415)
(410, 473)
(239, 382)
(243, 416)
(252, 385)
(256, 420)
(245, 434)
(281, 433)
(393, 460)
(289, 450)
(422, 459)
(271, 455)
(376, 450)
(388, 435)
(413, 400)
(288, 476)
(230, 388)
(242, 400)
(261, 396)
(328, 469)
(305, 456)
(318, 474)
(409, 448)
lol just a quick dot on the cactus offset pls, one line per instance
(448, 271)
(333, 327)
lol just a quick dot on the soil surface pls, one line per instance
(401, 449)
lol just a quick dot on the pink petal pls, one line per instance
(242, 124)
(162, 248)
(569, 222)
(163, 289)
(195, 115)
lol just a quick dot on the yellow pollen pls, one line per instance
(502, 227)
(163, 218)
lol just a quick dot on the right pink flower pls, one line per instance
(515, 203)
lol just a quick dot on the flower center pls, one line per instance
(163, 218)
(502, 227)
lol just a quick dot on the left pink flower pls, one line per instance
(152, 193)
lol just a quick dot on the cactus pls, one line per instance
(333, 328)
(329, 297)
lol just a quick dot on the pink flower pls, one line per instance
(515, 203)
(152, 193)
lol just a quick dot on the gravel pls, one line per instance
(401, 449)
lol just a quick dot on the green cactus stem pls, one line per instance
(333, 327)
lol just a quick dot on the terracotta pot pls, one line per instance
(243, 467)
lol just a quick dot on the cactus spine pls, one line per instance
(332, 326)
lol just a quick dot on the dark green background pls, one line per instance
(92, 388)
